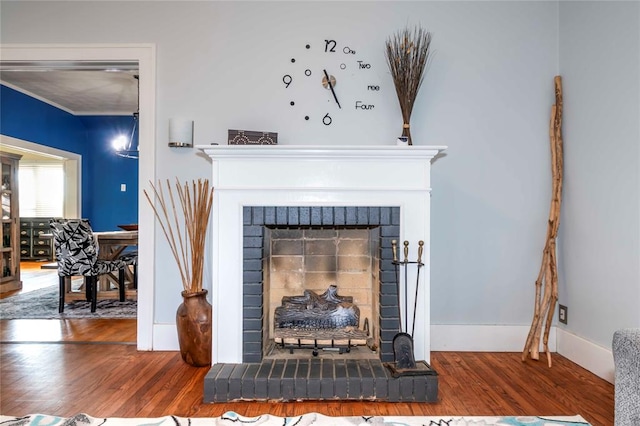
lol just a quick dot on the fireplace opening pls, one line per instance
(321, 290)
(304, 254)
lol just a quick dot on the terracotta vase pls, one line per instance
(193, 321)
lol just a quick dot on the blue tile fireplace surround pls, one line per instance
(305, 376)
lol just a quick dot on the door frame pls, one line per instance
(72, 164)
(145, 55)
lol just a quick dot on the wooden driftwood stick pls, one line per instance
(546, 294)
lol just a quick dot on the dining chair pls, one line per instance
(77, 255)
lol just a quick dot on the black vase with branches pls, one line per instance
(407, 53)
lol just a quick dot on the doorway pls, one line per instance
(39, 274)
(144, 54)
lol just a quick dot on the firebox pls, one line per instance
(288, 250)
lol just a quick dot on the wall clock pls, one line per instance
(330, 82)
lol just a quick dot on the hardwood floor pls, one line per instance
(33, 277)
(84, 373)
(97, 330)
(92, 366)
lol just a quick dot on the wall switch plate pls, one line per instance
(562, 314)
(123, 187)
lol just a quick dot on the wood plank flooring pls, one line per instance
(99, 330)
(114, 379)
(92, 366)
(33, 277)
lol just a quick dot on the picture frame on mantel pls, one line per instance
(251, 137)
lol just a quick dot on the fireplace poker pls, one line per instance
(394, 249)
(406, 294)
(415, 301)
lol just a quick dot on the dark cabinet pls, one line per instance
(35, 238)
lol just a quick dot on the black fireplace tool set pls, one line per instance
(405, 363)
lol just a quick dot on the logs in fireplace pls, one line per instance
(318, 321)
(313, 311)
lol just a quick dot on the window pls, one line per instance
(41, 189)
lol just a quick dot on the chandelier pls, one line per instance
(126, 146)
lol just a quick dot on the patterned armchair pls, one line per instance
(77, 255)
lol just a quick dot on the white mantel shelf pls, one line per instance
(318, 168)
(301, 175)
(321, 151)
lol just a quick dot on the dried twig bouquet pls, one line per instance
(186, 242)
(407, 54)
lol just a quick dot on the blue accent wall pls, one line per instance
(108, 171)
(26, 118)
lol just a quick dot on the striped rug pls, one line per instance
(43, 304)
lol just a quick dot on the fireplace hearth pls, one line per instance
(315, 379)
(261, 190)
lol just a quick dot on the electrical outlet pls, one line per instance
(562, 314)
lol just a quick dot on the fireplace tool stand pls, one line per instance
(405, 363)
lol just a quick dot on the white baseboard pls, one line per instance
(483, 338)
(511, 338)
(595, 358)
(165, 337)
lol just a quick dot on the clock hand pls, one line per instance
(331, 87)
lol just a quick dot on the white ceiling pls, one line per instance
(87, 88)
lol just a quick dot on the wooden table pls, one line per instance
(111, 244)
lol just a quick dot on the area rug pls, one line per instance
(310, 419)
(43, 304)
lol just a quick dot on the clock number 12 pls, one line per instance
(330, 46)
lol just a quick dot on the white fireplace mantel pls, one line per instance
(298, 175)
(320, 167)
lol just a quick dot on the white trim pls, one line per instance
(91, 113)
(72, 170)
(320, 152)
(595, 358)
(511, 338)
(483, 338)
(145, 55)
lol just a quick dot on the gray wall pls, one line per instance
(487, 96)
(600, 229)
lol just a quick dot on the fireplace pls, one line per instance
(262, 189)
